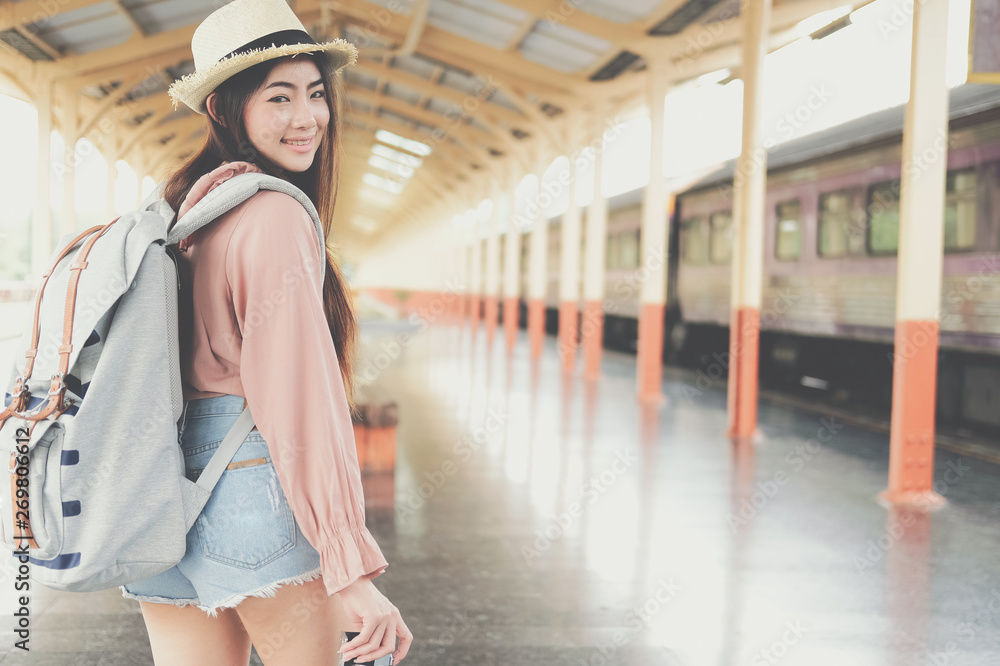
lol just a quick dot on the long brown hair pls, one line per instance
(230, 142)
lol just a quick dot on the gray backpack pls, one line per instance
(98, 495)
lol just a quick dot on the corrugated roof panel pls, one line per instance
(495, 9)
(23, 45)
(618, 11)
(397, 91)
(363, 39)
(396, 6)
(360, 105)
(390, 115)
(462, 82)
(500, 99)
(358, 78)
(463, 18)
(445, 109)
(86, 29)
(156, 16)
(414, 64)
(563, 48)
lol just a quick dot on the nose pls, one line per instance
(303, 114)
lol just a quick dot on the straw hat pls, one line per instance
(241, 34)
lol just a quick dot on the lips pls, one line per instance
(303, 149)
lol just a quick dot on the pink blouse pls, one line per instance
(260, 332)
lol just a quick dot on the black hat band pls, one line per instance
(280, 38)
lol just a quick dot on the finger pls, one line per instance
(364, 634)
(363, 649)
(380, 649)
(405, 640)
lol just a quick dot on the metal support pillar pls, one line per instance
(569, 270)
(592, 324)
(537, 272)
(748, 230)
(511, 265)
(921, 242)
(476, 274)
(492, 286)
(653, 233)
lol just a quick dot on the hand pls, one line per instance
(379, 622)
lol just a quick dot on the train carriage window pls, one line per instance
(883, 217)
(840, 226)
(611, 253)
(960, 211)
(628, 250)
(788, 236)
(721, 243)
(694, 241)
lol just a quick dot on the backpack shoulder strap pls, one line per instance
(233, 192)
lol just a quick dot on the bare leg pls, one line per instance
(300, 626)
(187, 636)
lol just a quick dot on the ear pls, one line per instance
(210, 106)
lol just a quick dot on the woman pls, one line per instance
(280, 558)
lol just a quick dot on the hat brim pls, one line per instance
(194, 88)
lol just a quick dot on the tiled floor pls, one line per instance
(539, 520)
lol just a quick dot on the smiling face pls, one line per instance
(290, 108)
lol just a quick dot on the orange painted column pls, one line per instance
(919, 266)
(476, 275)
(511, 263)
(568, 314)
(537, 269)
(569, 270)
(654, 240)
(491, 287)
(510, 308)
(749, 187)
(536, 325)
(591, 337)
(744, 331)
(592, 322)
(649, 354)
(491, 313)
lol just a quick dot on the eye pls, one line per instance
(322, 93)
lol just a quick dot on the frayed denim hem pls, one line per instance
(158, 600)
(268, 590)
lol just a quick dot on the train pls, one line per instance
(831, 232)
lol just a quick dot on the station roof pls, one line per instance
(475, 93)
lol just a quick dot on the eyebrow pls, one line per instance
(286, 84)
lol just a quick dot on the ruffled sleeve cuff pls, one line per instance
(351, 555)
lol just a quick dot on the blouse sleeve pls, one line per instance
(293, 384)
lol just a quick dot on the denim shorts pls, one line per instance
(246, 542)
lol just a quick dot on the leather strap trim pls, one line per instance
(246, 463)
(22, 526)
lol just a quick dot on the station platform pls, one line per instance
(539, 519)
